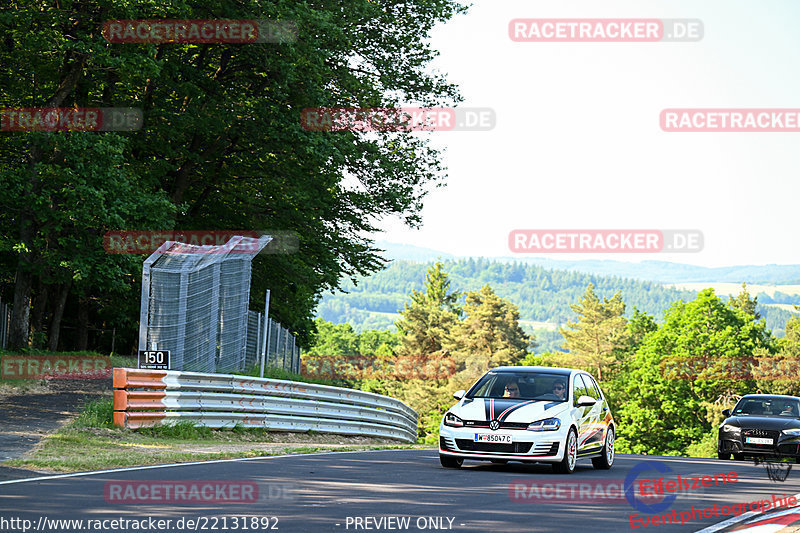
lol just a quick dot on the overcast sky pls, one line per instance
(578, 143)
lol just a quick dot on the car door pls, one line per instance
(590, 427)
(600, 410)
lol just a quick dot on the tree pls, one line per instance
(599, 332)
(489, 336)
(334, 339)
(665, 414)
(782, 366)
(222, 141)
(429, 317)
(639, 326)
(745, 303)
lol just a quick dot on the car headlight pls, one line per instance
(795, 432)
(550, 424)
(453, 421)
(727, 428)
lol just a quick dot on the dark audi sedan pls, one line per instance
(761, 425)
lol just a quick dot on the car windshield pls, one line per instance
(545, 386)
(767, 406)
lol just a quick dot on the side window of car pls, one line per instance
(578, 389)
(485, 387)
(593, 389)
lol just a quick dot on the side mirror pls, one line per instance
(726, 413)
(586, 401)
(459, 394)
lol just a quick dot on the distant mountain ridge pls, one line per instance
(655, 271)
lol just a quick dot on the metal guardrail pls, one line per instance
(144, 398)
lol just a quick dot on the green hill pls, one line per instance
(543, 295)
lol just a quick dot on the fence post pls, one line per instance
(264, 341)
(285, 346)
(291, 361)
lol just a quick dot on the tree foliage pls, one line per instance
(222, 146)
(600, 332)
(489, 336)
(430, 316)
(666, 416)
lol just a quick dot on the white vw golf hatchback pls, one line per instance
(529, 414)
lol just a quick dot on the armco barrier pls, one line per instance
(144, 398)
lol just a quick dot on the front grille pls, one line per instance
(497, 447)
(503, 425)
(761, 433)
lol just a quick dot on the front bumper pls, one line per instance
(783, 445)
(545, 446)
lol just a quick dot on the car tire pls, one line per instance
(567, 464)
(500, 461)
(450, 462)
(723, 456)
(606, 459)
(738, 456)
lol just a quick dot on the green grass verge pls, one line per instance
(76, 450)
(91, 442)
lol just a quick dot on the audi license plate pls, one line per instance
(757, 440)
(492, 437)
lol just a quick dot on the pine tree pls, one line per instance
(600, 331)
(745, 303)
(489, 336)
(430, 316)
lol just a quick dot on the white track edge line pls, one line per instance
(212, 461)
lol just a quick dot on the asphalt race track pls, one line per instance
(393, 490)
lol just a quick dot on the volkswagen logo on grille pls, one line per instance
(494, 425)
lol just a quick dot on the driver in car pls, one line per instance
(560, 389)
(511, 390)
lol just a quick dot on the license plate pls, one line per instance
(492, 437)
(757, 440)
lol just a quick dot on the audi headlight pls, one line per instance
(795, 432)
(453, 421)
(727, 428)
(550, 424)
